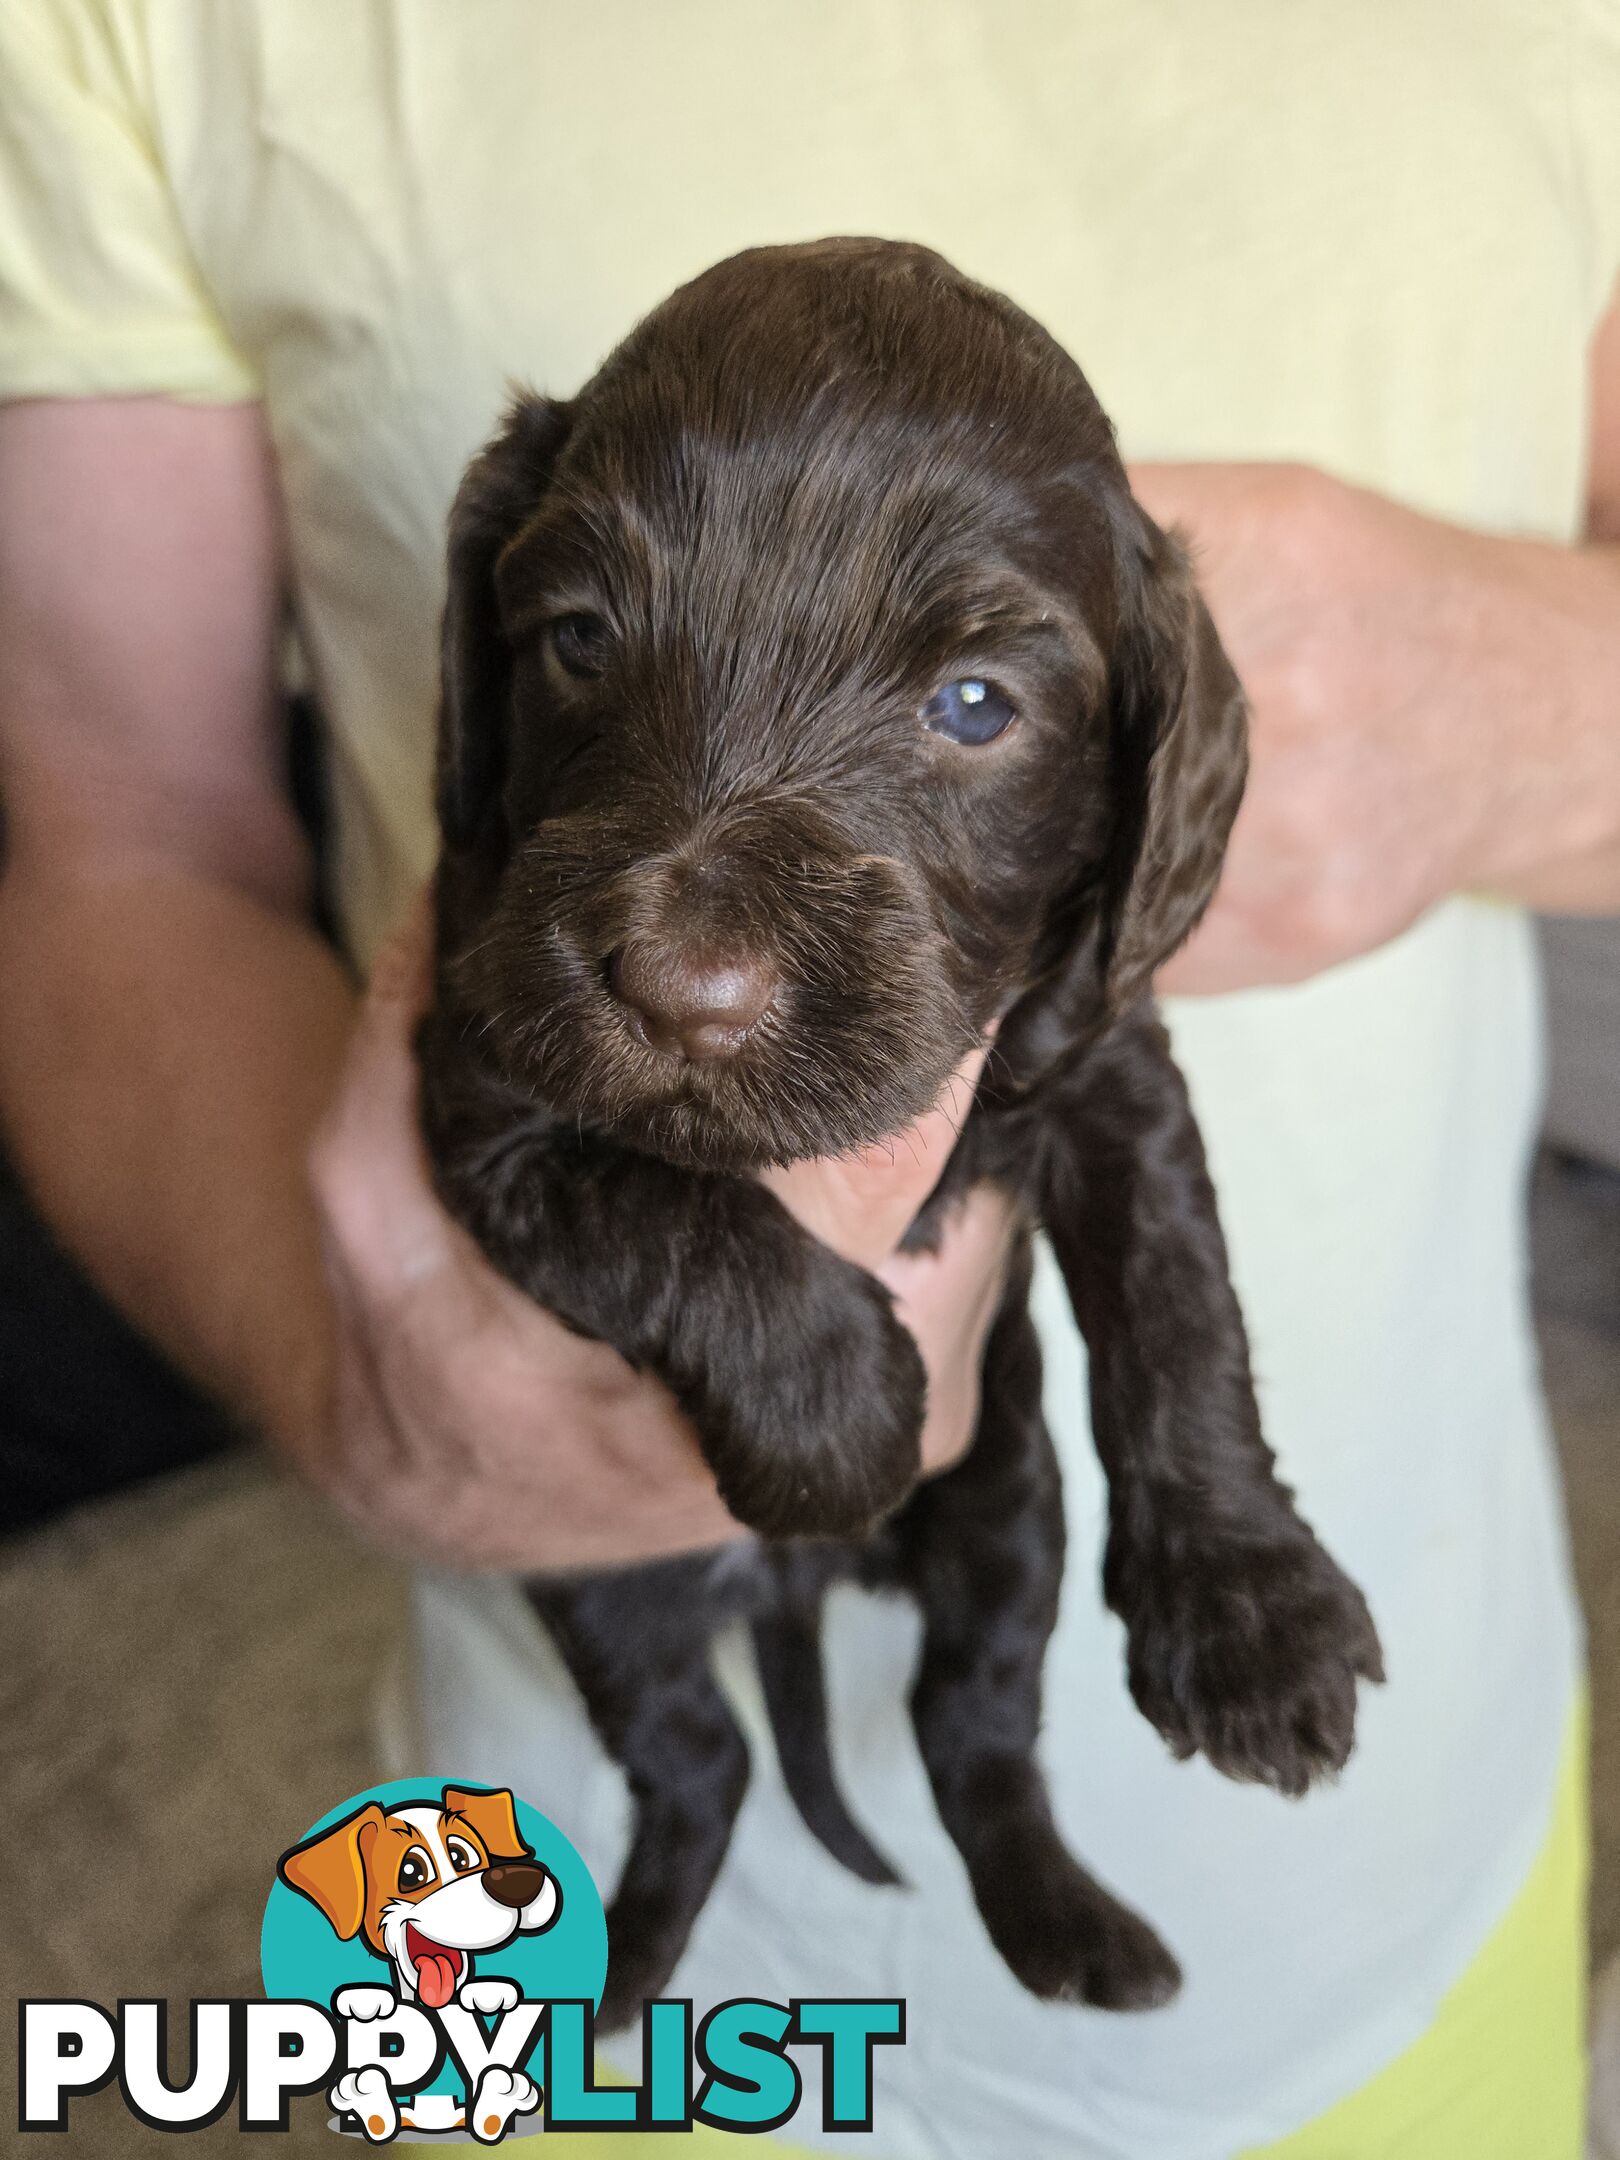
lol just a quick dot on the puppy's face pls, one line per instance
(427, 1885)
(786, 675)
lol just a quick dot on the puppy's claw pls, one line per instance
(365, 2094)
(1249, 1655)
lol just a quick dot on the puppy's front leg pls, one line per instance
(806, 1391)
(982, 1552)
(1246, 1640)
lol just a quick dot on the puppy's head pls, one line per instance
(814, 693)
(426, 1884)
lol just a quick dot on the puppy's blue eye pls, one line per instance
(970, 711)
(580, 642)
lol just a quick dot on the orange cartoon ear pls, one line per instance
(330, 1870)
(493, 1817)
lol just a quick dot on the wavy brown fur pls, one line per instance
(814, 485)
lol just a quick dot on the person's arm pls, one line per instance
(1434, 710)
(172, 1025)
(177, 1046)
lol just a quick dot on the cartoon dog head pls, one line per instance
(426, 1884)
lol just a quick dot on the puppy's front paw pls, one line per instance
(366, 2095)
(364, 2004)
(1247, 1652)
(1068, 1940)
(488, 1997)
(831, 1443)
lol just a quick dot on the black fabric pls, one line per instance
(85, 1405)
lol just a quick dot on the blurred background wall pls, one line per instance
(1583, 1014)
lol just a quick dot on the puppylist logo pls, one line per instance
(433, 1958)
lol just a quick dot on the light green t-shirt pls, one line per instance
(1375, 237)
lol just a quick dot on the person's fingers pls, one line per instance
(1162, 487)
(368, 1161)
(1220, 956)
(379, 1050)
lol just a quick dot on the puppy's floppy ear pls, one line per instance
(1177, 759)
(330, 1870)
(501, 488)
(494, 1818)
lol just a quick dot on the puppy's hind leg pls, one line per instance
(637, 1645)
(984, 1559)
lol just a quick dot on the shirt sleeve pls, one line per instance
(99, 294)
(1597, 123)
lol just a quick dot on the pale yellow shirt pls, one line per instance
(1373, 236)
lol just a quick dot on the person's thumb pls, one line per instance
(368, 1161)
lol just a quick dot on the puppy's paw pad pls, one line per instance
(365, 2094)
(364, 2003)
(501, 2095)
(1251, 1655)
(488, 1997)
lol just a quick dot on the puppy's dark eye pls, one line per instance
(970, 711)
(462, 1857)
(580, 643)
(415, 1869)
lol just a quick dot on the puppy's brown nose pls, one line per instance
(514, 1882)
(691, 1003)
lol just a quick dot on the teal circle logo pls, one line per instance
(426, 1890)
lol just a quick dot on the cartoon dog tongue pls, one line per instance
(436, 1969)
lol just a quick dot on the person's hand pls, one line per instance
(468, 1425)
(1413, 689)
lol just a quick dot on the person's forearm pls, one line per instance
(1557, 716)
(1432, 710)
(1578, 885)
(169, 1042)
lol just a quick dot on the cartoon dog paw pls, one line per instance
(489, 1997)
(501, 2094)
(364, 2003)
(365, 2093)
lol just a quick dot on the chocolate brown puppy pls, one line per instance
(815, 693)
